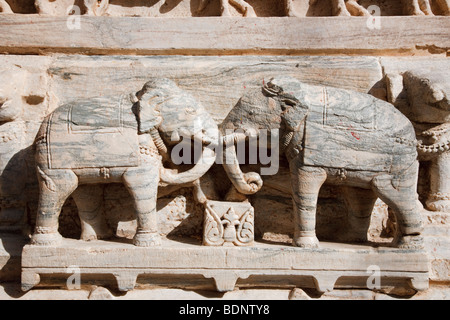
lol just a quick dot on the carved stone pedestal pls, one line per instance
(190, 265)
(228, 224)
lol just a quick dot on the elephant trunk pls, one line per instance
(205, 162)
(246, 183)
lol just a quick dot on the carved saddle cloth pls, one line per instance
(355, 131)
(94, 133)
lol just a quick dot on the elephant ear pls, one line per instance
(293, 115)
(288, 91)
(148, 117)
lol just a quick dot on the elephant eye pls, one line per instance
(251, 112)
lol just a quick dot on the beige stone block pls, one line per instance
(274, 35)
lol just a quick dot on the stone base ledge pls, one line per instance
(402, 35)
(190, 265)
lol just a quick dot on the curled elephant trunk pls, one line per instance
(246, 183)
(203, 164)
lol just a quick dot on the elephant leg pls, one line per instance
(89, 201)
(360, 204)
(439, 197)
(142, 183)
(306, 184)
(400, 195)
(54, 188)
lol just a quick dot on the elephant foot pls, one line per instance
(414, 242)
(46, 239)
(438, 205)
(147, 239)
(307, 242)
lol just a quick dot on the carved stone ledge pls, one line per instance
(273, 35)
(190, 265)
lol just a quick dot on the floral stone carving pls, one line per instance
(228, 223)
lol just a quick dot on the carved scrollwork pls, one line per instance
(228, 224)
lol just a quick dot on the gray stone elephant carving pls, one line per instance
(341, 137)
(428, 107)
(84, 144)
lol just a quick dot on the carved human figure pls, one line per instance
(115, 139)
(4, 7)
(339, 137)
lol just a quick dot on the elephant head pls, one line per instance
(273, 111)
(179, 118)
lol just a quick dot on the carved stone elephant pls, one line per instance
(339, 137)
(84, 144)
(428, 107)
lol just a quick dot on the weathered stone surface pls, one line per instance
(231, 8)
(218, 82)
(227, 264)
(10, 256)
(103, 35)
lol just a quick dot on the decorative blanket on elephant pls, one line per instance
(354, 131)
(96, 133)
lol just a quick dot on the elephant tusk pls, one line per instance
(154, 133)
